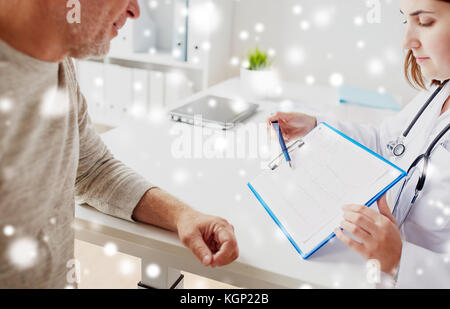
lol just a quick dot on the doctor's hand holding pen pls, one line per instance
(377, 232)
(293, 125)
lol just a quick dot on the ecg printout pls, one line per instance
(329, 172)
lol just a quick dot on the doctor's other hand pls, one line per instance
(293, 125)
(210, 238)
(378, 234)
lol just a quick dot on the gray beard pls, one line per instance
(95, 48)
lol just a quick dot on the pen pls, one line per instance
(282, 144)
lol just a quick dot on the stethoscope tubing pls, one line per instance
(421, 183)
(424, 107)
(425, 156)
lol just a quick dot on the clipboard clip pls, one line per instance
(276, 161)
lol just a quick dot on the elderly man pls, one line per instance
(50, 153)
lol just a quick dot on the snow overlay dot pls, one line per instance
(310, 80)
(153, 271)
(5, 105)
(23, 252)
(259, 27)
(110, 249)
(8, 230)
(304, 25)
(336, 79)
(297, 9)
(244, 35)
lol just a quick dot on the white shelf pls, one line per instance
(158, 59)
(203, 68)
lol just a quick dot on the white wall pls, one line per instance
(330, 44)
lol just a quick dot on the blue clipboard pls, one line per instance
(306, 255)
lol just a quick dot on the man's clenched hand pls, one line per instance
(210, 238)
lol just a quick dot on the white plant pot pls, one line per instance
(259, 84)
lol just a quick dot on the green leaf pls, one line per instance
(258, 60)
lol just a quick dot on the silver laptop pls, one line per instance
(216, 112)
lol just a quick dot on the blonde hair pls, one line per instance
(412, 70)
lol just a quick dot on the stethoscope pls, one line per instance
(398, 149)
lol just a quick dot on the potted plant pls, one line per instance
(257, 78)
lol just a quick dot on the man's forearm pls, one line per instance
(159, 208)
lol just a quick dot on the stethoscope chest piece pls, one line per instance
(397, 148)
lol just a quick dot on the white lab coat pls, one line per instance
(425, 260)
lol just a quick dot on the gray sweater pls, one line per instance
(50, 154)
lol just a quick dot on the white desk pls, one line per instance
(218, 186)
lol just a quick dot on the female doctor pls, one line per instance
(412, 243)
